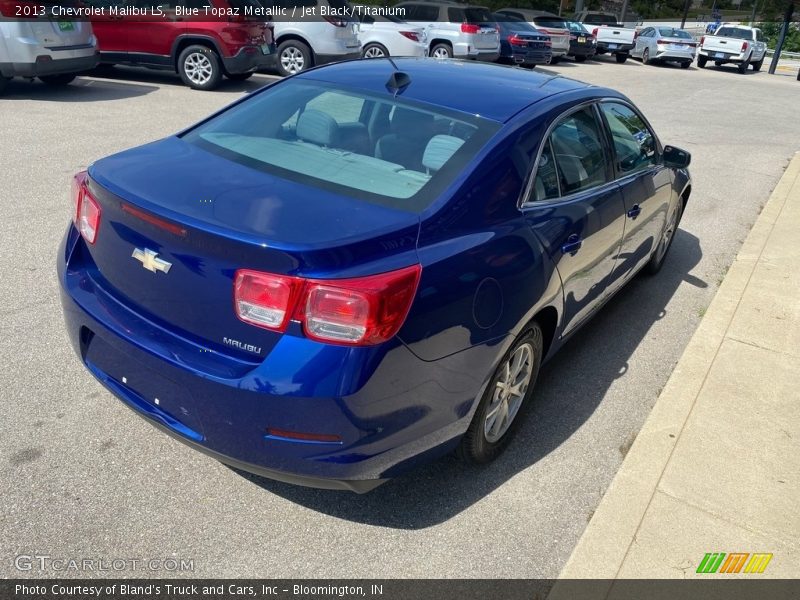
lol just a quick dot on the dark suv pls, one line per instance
(200, 49)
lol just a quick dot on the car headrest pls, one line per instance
(317, 127)
(439, 150)
(411, 122)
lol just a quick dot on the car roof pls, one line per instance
(440, 3)
(491, 91)
(530, 13)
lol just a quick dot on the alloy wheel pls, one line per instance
(198, 68)
(292, 60)
(441, 53)
(510, 388)
(374, 52)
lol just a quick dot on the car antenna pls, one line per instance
(398, 80)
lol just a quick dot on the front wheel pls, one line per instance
(664, 244)
(57, 80)
(374, 50)
(701, 62)
(200, 68)
(646, 56)
(621, 58)
(442, 51)
(508, 391)
(757, 65)
(293, 57)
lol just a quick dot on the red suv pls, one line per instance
(185, 38)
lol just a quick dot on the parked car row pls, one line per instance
(203, 52)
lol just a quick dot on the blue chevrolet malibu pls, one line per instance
(363, 266)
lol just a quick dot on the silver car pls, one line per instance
(53, 51)
(665, 44)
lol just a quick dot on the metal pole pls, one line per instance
(787, 17)
(753, 16)
(685, 13)
(624, 12)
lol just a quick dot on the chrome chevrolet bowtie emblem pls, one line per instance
(150, 260)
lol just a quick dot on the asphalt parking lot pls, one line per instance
(82, 477)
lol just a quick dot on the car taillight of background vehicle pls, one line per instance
(745, 46)
(470, 28)
(515, 40)
(595, 31)
(86, 210)
(702, 39)
(361, 311)
(412, 35)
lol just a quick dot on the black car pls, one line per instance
(582, 44)
(521, 43)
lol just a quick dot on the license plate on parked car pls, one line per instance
(612, 46)
(66, 26)
(719, 55)
(581, 40)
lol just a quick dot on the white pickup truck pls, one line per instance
(612, 37)
(737, 44)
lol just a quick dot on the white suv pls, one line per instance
(455, 30)
(314, 41)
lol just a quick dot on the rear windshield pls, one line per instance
(513, 23)
(376, 148)
(674, 33)
(553, 22)
(575, 27)
(600, 19)
(474, 15)
(734, 32)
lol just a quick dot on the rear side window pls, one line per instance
(319, 135)
(674, 33)
(551, 22)
(634, 143)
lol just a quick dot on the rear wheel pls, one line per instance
(685, 65)
(664, 244)
(621, 58)
(3, 83)
(57, 80)
(507, 393)
(742, 68)
(646, 56)
(293, 57)
(199, 67)
(240, 76)
(554, 60)
(442, 51)
(701, 62)
(374, 50)
(580, 59)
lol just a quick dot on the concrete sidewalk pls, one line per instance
(716, 467)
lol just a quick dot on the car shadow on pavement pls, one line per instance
(80, 90)
(168, 78)
(570, 388)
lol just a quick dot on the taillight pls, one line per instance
(335, 21)
(412, 35)
(470, 28)
(702, 39)
(514, 40)
(359, 311)
(86, 215)
(745, 46)
(594, 32)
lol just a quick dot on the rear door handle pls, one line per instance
(573, 244)
(635, 211)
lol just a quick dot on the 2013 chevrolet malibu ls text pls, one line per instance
(362, 267)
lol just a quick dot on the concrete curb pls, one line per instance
(607, 540)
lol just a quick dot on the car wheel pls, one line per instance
(742, 68)
(442, 51)
(555, 60)
(701, 62)
(240, 76)
(374, 50)
(757, 65)
(3, 83)
(665, 242)
(685, 65)
(646, 56)
(199, 68)
(621, 58)
(580, 59)
(293, 57)
(57, 80)
(506, 394)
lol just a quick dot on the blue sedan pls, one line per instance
(363, 267)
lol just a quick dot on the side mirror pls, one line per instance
(677, 158)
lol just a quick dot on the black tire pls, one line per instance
(374, 50)
(293, 56)
(742, 67)
(240, 76)
(665, 243)
(57, 80)
(555, 60)
(717, 63)
(646, 56)
(701, 62)
(444, 51)
(200, 67)
(685, 65)
(621, 58)
(757, 65)
(3, 83)
(475, 447)
(580, 59)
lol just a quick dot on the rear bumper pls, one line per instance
(536, 57)
(606, 47)
(45, 65)
(248, 59)
(722, 57)
(582, 50)
(387, 407)
(675, 55)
